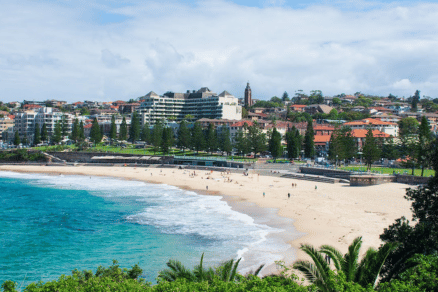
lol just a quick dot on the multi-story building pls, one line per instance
(5, 124)
(26, 121)
(197, 104)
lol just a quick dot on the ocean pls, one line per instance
(51, 225)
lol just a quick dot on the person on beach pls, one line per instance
(207, 188)
(263, 194)
(288, 195)
(316, 187)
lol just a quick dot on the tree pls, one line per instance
(342, 144)
(157, 135)
(17, 139)
(75, 131)
(366, 272)
(275, 144)
(309, 144)
(415, 100)
(370, 149)
(424, 140)
(408, 126)
(390, 149)
(293, 140)
(146, 133)
(285, 97)
(241, 141)
(183, 136)
(225, 141)
(123, 132)
(134, 130)
(198, 141)
(64, 126)
(37, 135)
(57, 133)
(167, 140)
(95, 133)
(113, 128)
(44, 133)
(210, 139)
(421, 238)
(81, 131)
(422, 276)
(256, 139)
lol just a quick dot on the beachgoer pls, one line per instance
(263, 194)
(207, 188)
(316, 187)
(288, 195)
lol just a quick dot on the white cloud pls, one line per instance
(50, 51)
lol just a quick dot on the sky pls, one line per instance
(110, 50)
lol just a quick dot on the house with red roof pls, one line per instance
(385, 127)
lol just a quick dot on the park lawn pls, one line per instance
(388, 170)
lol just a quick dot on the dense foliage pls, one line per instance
(21, 155)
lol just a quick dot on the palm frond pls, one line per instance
(258, 270)
(351, 259)
(309, 270)
(334, 254)
(318, 260)
(234, 271)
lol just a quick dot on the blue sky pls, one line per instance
(108, 50)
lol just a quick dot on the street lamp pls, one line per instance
(336, 160)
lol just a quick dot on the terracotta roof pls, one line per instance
(321, 138)
(361, 133)
(368, 121)
(29, 106)
(88, 126)
(11, 117)
(298, 105)
(241, 123)
(323, 127)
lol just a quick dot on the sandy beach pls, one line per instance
(331, 214)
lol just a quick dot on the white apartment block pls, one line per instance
(200, 104)
(25, 121)
(5, 124)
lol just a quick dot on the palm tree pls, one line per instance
(364, 272)
(226, 272)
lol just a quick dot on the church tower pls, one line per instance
(248, 101)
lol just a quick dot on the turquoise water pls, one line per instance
(51, 225)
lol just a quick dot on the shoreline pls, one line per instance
(332, 214)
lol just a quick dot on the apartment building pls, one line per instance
(25, 121)
(198, 104)
(5, 124)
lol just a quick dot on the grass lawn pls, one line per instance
(129, 149)
(388, 170)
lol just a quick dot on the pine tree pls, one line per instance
(415, 100)
(225, 144)
(17, 139)
(57, 132)
(167, 140)
(275, 144)
(81, 131)
(198, 141)
(157, 135)
(241, 142)
(37, 135)
(309, 144)
(211, 142)
(370, 149)
(146, 133)
(95, 133)
(285, 97)
(75, 131)
(134, 130)
(123, 132)
(256, 139)
(64, 126)
(113, 128)
(293, 140)
(424, 142)
(183, 136)
(44, 133)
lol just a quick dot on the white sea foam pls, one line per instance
(175, 211)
